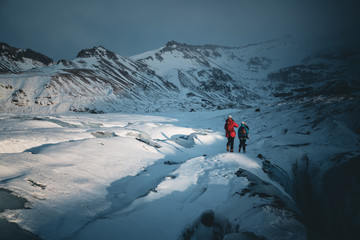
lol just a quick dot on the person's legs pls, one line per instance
(228, 144)
(231, 144)
(242, 144)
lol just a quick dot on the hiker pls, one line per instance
(230, 133)
(243, 134)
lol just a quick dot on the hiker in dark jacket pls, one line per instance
(230, 132)
(243, 134)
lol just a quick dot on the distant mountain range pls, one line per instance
(176, 77)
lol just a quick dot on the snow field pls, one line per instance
(131, 176)
(64, 170)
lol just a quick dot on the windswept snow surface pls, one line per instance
(152, 176)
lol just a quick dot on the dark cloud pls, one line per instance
(60, 29)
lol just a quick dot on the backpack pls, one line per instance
(229, 127)
(243, 131)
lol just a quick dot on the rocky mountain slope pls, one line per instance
(15, 60)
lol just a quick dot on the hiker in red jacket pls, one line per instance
(230, 133)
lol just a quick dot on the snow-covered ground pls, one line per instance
(152, 176)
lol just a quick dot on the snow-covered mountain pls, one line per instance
(15, 60)
(176, 76)
(101, 81)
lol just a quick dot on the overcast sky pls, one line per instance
(61, 28)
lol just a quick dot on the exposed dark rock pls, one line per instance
(11, 57)
(97, 52)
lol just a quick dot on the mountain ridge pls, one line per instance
(15, 60)
(178, 77)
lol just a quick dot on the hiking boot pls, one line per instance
(227, 148)
(232, 150)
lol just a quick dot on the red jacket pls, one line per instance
(229, 128)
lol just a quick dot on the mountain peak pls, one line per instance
(14, 60)
(174, 44)
(99, 51)
(18, 54)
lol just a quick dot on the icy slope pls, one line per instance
(134, 167)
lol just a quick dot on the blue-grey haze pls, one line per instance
(60, 29)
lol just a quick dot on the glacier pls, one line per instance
(104, 146)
